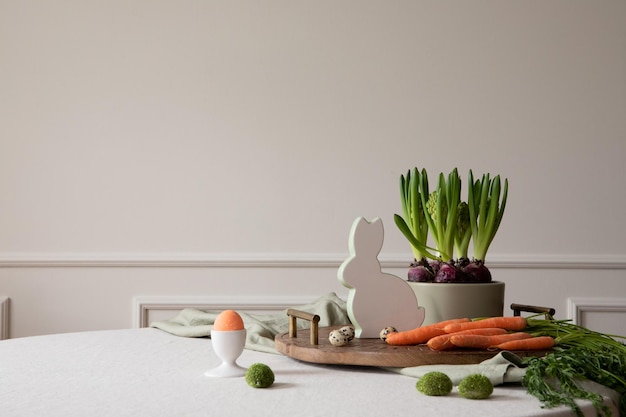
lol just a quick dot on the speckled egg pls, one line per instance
(337, 338)
(384, 332)
(347, 331)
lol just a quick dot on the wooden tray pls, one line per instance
(375, 352)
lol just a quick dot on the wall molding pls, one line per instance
(579, 306)
(284, 260)
(4, 318)
(143, 305)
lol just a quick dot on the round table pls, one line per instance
(150, 373)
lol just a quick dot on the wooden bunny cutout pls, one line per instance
(376, 299)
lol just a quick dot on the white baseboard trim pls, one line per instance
(4, 318)
(143, 305)
(579, 306)
(285, 260)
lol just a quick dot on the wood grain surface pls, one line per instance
(375, 352)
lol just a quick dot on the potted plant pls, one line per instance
(441, 227)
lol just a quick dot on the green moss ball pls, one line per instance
(259, 375)
(434, 383)
(475, 387)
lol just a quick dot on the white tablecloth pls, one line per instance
(150, 373)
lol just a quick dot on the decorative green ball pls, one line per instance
(475, 387)
(259, 375)
(434, 383)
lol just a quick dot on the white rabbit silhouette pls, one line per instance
(381, 299)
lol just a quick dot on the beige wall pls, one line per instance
(157, 148)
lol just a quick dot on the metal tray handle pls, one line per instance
(518, 308)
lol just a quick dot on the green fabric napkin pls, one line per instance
(505, 367)
(261, 328)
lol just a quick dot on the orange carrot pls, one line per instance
(515, 323)
(483, 342)
(443, 342)
(535, 343)
(421, 334)
(444, 323)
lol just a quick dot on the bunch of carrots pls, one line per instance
(579, 353)
(505, 333)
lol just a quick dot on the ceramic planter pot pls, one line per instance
(445, 301)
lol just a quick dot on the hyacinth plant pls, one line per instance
(451, 223)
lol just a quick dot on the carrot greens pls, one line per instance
(556, 379)
(580, 354)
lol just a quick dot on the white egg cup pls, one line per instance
(228, 345)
